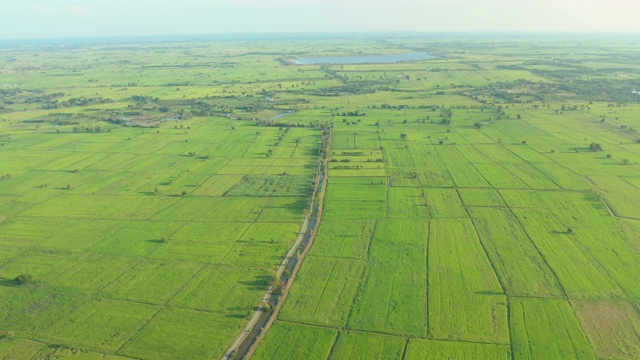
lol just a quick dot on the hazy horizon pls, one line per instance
(43, 19)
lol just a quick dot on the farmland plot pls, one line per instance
(465, 175)
(363, 346)
(292, 341)
(325, 295)
(344, 239)
(420, 349)
(622, 197)
(580, 209)
(394, 282)
(467, 216)
(518, 264)
(20, 349)
(613, 327)
(577, 272)
(466, 302)
(547, 328)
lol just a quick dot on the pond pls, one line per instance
(281, 115)
(362, 59)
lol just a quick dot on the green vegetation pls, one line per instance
(482, 204)
(473, 208)
(153, 237)
(291, 341)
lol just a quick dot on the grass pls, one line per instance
(394, 281)
(120, 258)
(578, 274)
(611, 326)
(189, 338)
(146, 283)
(466, 302)
(428, 349)
(20, 349)
(547, 328)
(518, 264)
(466, 215)
(619, 195)
(292, 341)
(357, 345)
(344, 239)
(223, 289)
(323, 294)
(115, 322)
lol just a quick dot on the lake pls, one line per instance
(362, 59)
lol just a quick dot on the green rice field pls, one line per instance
(484, 204)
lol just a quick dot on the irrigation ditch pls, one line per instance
(267, 312)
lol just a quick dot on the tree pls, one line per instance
(524, 142)
(184, 193)
(234, 354)
(403, 136)
(23, 279)
(266, 308)
(278, 289)
(595, 147)
(569, 230)
(477, 125)
(625, 161)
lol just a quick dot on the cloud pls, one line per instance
(42, 8)
(75, 9)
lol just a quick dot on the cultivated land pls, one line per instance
(482, 205)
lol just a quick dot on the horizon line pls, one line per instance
(315, 34)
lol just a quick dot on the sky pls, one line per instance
(89, 18)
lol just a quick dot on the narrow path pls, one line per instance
(249, 338)
(259, 313)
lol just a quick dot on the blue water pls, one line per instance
(281, 115)
(363, 59)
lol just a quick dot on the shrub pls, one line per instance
(23, 279)
(595, 147)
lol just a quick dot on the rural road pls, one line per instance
(243, 344)
(267, 296)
